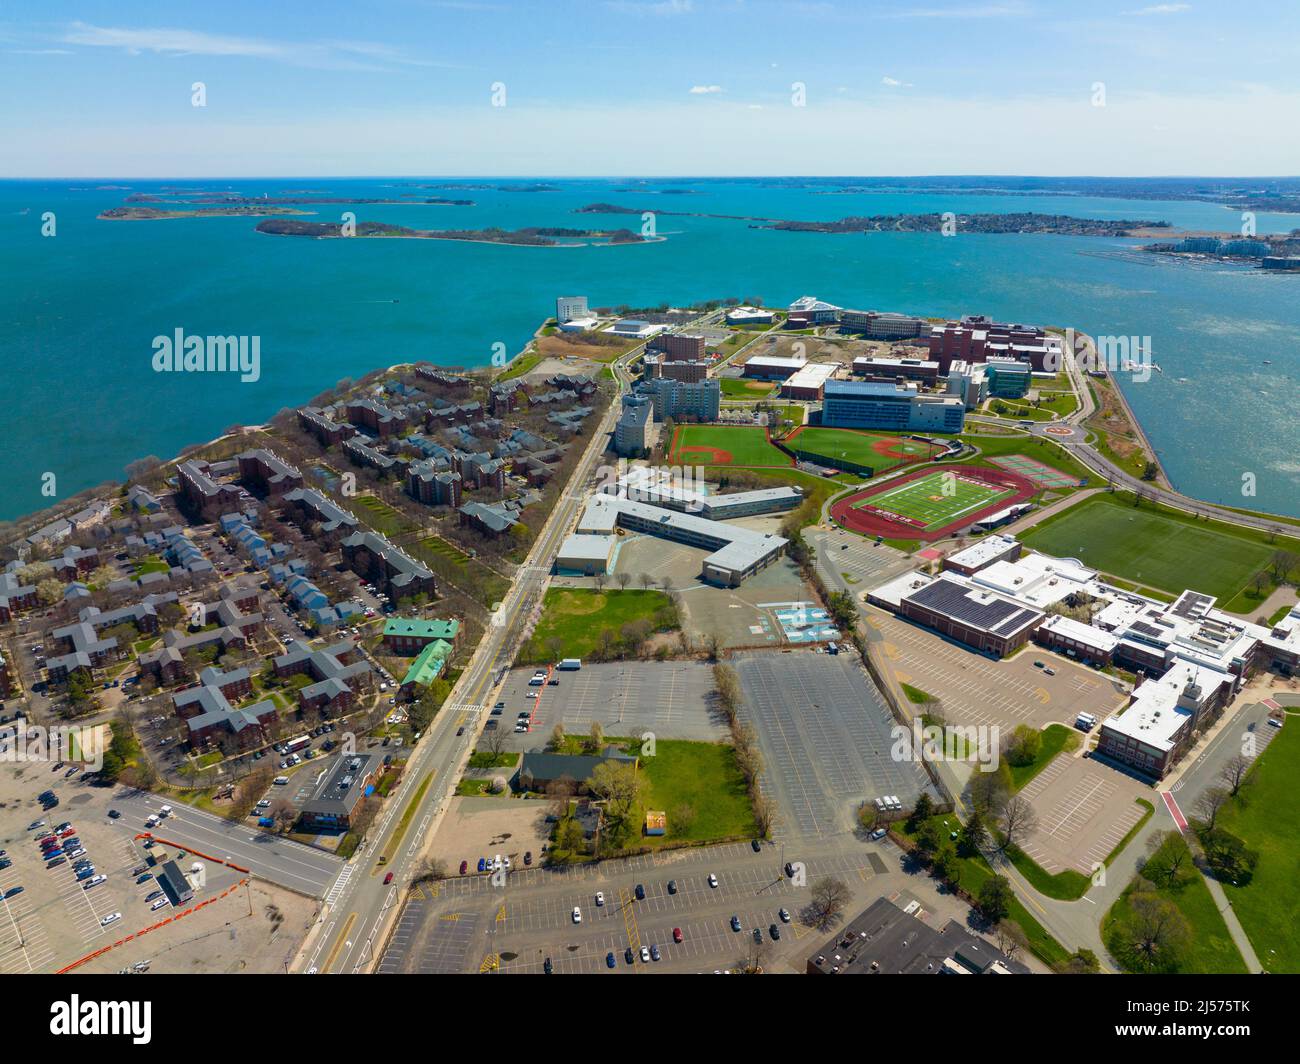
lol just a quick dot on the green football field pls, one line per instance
(879, 451)
(1151, 548)
(741, 445)
(936, 499)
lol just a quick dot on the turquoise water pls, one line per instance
(79, 311)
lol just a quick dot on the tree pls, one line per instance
(1010, 938)
(430, 870)
(599, 579)
(1081, 962)
(1233, 774)
(972, 835)
(646, 581)
(620, 786)
(623, 580)
(829, 896)
(1157, 932)
(555, 647)
(989, 791)
(1023, 745)
(597, 736)
(557, 736)
(681, 817)
(944, 864)
(1228, 857)
(929, 838)
(921, 812)
(994, 901)
(1169, 860)
(283, 814)
(50, 590)
(1018, 820)
(1208, 804)
(494, 743)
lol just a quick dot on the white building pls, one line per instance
(569, 307)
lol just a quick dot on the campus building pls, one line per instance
(883, 326)
(410, 635)
(890, 407)
(569, 307)
(920, 370)
(807, 383)
(737, 553)
(685, 401)
(268, 472)
(370, 555)
(631, 432)
(1008, 378)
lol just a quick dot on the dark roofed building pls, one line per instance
(975, 616)
(887, 940)
(174, 884)
(340, 794)
(538, 768)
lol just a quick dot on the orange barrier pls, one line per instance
(197, 853)
(152, 927)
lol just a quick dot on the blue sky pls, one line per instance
(650, 87)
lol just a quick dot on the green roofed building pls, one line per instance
(427, 666)
(410, 635)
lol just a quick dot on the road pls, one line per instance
(359, 905)
(281, 861)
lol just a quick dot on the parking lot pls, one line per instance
(70, 869)
(1084, 808)
(825, 734)
(468, 924)
(672, 699)
(976, 690)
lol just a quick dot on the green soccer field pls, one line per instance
(925, 500)
(1158, 550)
(860, 448)
(741, 445)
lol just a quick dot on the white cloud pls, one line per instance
(327, 54)
(652, 7)
(894, 83)
(1005, 10)
(1160, 9)
(705, 90)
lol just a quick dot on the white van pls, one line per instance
(280, 781)
(165, 811)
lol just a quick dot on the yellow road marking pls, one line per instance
(490, 963)
(338, 942)
(501, 913)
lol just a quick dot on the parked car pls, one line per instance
(629, 956)
(654, 953)
(640, 892)
(577, 915)
(645, 955)
(548, 967)
(755, 844)
(600, 897)
(113, 814)
(677, 934)
(111, 918)
(388, 878)
(774, 931)
(160, 903)
(735, 923)
(153, 895)
(713, 880)
(784, 914)
(758, 935)
(609, 959)
(94, 881)
(464, 867)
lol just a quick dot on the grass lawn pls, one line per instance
(741, 445)
(1266, 816)
(382, 517)
(520, 365)
(1041, 450)
(576, 616)
(876, 450)
(1158, 548)
(1209, 948)
(743, 388)
(974, 872)
(151, 564)
(1056, 737)
(705, 777)
(915, 694)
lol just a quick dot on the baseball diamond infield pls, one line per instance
(928, 504)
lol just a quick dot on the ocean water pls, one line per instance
(79, 311)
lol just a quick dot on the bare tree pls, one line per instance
(1011, 940)
(623, 580)
(430, 870)
(494, 742)
(1233, 773)
(1018, 820)
(646, 581)
(1208, 804)
(829, 896)
(557, 736)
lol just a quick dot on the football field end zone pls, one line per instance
(844, 513)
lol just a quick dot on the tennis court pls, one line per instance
(1042, 475)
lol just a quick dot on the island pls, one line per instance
(527, 237)
(153, 214)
